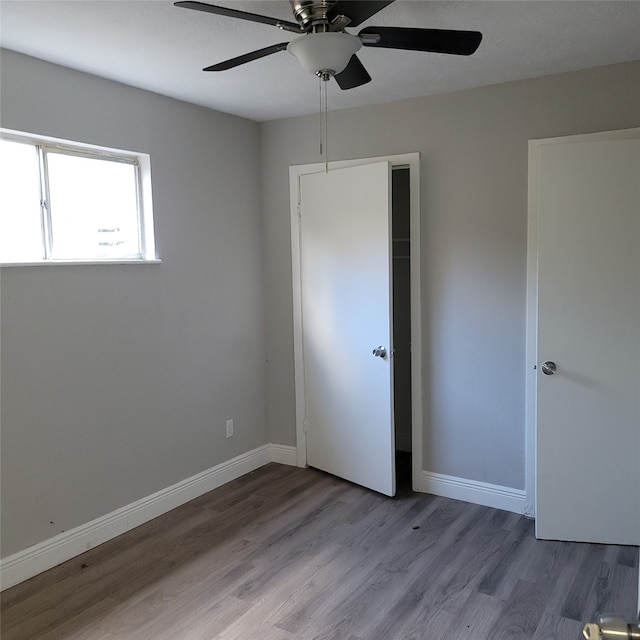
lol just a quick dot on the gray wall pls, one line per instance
(473, 147)
(117, 380)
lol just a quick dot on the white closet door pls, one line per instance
(346, 315)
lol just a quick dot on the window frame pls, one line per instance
(44, 145)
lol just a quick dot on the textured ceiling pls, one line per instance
(156, 46)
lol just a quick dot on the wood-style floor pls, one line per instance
(286, 553)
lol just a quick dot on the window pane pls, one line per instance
(20, 220)
(93, 207)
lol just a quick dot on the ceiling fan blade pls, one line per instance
(353, 75)
(357, 10)
(247, 57)
(242, 15)
(462, 43)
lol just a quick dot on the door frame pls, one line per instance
(531, 378)
(412, 162)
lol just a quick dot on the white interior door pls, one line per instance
(345, 219)
(588, 324)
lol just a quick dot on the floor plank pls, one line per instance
(286, 553)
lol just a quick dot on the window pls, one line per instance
(68, 202)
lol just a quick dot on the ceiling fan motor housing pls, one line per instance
(312, 14)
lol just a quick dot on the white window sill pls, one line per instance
(76, 263)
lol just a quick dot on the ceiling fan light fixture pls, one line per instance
(324, 53)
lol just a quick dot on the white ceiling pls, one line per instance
(162, 48)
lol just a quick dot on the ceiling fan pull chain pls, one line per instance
(326, 127)
(322, 84)
(320, 111)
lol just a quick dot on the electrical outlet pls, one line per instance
(229, 425)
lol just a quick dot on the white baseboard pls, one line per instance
(45, 555)
(284, 455)
(489, 495)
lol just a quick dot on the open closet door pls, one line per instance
(345, 222)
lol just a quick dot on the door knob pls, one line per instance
(549, 368)
(380, 352)
(611, 626)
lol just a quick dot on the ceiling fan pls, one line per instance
(327, 50)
